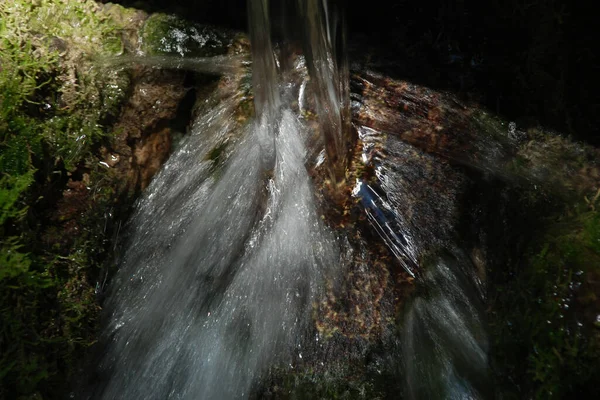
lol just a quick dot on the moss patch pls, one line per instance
(544, 312)
(55, 106)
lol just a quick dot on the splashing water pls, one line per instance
(226, 262)
(229, 254)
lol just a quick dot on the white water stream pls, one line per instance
(228, 254)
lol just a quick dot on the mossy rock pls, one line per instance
(56, 107)
(65, 178)
(164, 34)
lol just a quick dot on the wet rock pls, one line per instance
(164, 34)
(465, 134)
(150, 154)
(146, 125)
(441, 175)
(144, 136)
(433, 121)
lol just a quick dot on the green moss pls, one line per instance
(49, 66)
(55, 104)
(545, 342)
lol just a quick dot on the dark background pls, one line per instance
(532, 61)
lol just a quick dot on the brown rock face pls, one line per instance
(432, 121)
(150, 153)
(144, 136)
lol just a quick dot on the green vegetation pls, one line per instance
(54, 109)
(545, 336)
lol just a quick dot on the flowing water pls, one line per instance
(443, 335)
(229, 252)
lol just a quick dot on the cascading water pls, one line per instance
(229, 253)
(442, 332)
(226, 261)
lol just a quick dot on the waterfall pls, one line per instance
(225, 261)
(228, 253)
